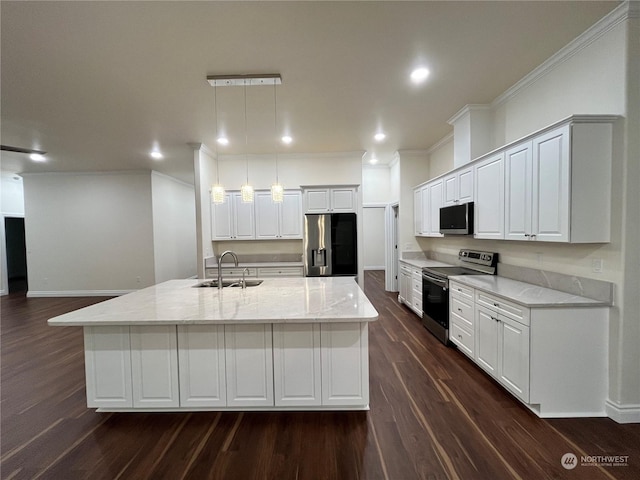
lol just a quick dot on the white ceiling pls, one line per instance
(99, 84)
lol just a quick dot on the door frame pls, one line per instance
(392, 211)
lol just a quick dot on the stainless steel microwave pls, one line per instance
(457, 219)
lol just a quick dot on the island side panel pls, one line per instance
(107, 359)
(297, 365)
(345, 364)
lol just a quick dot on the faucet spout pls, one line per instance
(235, 259)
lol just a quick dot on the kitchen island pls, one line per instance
(286, 344)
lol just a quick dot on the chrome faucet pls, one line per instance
(235, 258)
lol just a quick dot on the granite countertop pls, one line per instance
(526, 294)
(277, 300)
(421, 262)
(254, 264)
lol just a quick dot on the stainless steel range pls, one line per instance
(435, 288)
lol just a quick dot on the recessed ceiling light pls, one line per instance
(419, 75)
(223, 140)
(156, 155)
(379, 136)
(36, 157)
(373, 160)
(287, 139)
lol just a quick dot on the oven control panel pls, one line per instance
(488, 259)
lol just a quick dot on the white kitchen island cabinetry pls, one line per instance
(548, 348)
(288, 344)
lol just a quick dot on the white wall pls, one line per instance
(174, 228)
(374, 238)
(414, 170)
(375, 184)
(11, 205)
(441, 157)
(88, 233)
(205, 176)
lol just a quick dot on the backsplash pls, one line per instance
(584, 287)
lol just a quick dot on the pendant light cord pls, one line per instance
(246, 138)
(215, 140)
(275, 127)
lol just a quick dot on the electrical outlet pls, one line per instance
(596, 265)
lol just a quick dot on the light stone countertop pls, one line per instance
(525, 294)
(276, 300)
(420, 263)
(255, 265)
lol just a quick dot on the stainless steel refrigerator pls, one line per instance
(330, 246)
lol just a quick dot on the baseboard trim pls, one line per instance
(381, 267)
(77, 293)
(628, 413)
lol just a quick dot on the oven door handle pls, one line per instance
(437, 281)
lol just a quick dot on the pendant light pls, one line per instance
(217, 190)
(277, 190)
(246, 191)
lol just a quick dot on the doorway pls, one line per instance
(391, 250)
(16, 249)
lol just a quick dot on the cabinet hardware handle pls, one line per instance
(460, 337)
(527, 235)
(496, 305)
(460, 310)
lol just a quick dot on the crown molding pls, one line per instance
(299, 156)
(605, 24)
(472, 107)
(440, 143)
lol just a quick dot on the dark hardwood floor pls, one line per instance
(434, 415)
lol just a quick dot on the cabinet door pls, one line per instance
(154, 366)
(296, 362)
(107, 361)
(243, 218)
(550, 186)
(426, 211)
(518, 192)
(405, 286)
(513, 363)
(465, 186)
(221, 219)
(201, 366)
(461, 336)
(249, 365)
(318, 200)
(436, 195)
(343, 200)
(451, 189)
(345, 364)
(291, 214)
(487, 340)
(489, 198)
(417, 212)
(267, 216)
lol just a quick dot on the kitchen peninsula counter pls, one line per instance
(287, 344)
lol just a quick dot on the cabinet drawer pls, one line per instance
(417, 305)
(462, 337)
(460, 291)
(417, 285)
(417, 275)
(405, 268)
(280, 272)
(503, 307)
(462, 309)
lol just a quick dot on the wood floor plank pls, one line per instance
(434, 415)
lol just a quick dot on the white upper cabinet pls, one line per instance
(458, 187)
(233, 219)
(330, 200)
(427, 201)
(417, 211)
(436, 199)
(278, 220)
(558, 185)
(489, 198)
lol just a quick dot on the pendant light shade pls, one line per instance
(277, 193)
(246, 192)
(217, 190)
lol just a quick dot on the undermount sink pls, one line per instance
(228, 283)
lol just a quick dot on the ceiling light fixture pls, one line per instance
(246, 191)
(221, 140)
(373, 160)
(35, 155)
(156, 155)
(249, 80)
(379, 136)
(277, 190)
(287, 139)
(419, 75)
(217, 190)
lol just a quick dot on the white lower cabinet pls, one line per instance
(201, 363)
(296, 364)
(410, 291)
(154, 366)
(249, 365)
(253, 366)
(107, 361)
(345, 364)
